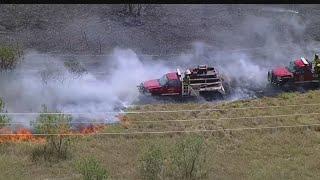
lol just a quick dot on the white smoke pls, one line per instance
(246, 74)
(25, 91)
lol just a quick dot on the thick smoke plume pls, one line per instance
(43, 79)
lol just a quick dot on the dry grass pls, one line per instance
(291, 153)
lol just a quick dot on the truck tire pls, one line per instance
(288, 86)
(269, 77)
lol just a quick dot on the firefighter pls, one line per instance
(187, 76)
(317, 64)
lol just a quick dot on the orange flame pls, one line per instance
(124, 120)
(91, 129)
(25, 135)
(21, 135)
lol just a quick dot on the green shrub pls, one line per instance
(151, 163)
(188, 158)
(90, 168)
(9, 57)
(56, 146)
(4, 119)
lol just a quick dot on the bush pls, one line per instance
(4, 119)
(57, 146)
(75, 67)
(52, 73)
(8, 58)
(151, 163)
(188, 158)
(91, 169)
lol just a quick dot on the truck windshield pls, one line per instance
(291, 67)
(163, 80)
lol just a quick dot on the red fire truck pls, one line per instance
(200, 81)
(298, 73)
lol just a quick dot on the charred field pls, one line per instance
(70, 107)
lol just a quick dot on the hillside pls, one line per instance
(241, 148)
(161, 29)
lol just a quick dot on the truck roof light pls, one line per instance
(178, 72)
(304, 61)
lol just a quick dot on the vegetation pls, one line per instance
(90, 168)
(185, 160)
(57, 146)
(133, 9)
(152, 162)
(189, 159)
(9, 57)
(4, 119)
(282, 153)
(52, 73)
(75, 67)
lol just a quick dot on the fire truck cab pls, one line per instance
(298, 72)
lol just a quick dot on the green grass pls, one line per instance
(291, 153)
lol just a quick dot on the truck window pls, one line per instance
(299, 70)
(174, 83)
(292, 67)
(163, 80)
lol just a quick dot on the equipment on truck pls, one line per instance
(300, 72)
(317, 64)
(202, 80)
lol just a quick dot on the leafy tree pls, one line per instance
(57, 146)
(9, 57)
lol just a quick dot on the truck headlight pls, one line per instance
(279, 78)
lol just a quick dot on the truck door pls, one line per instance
(308, 75)
(177, 86)
(173, 87)
(299, 75)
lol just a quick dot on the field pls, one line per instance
(244, 143)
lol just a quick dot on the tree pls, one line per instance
(52, 125)
(188, 158)
(151, 163)
(4, 119)
(9, 57)
(133, 9)
(75, 67)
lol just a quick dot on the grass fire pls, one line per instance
(27, 135)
